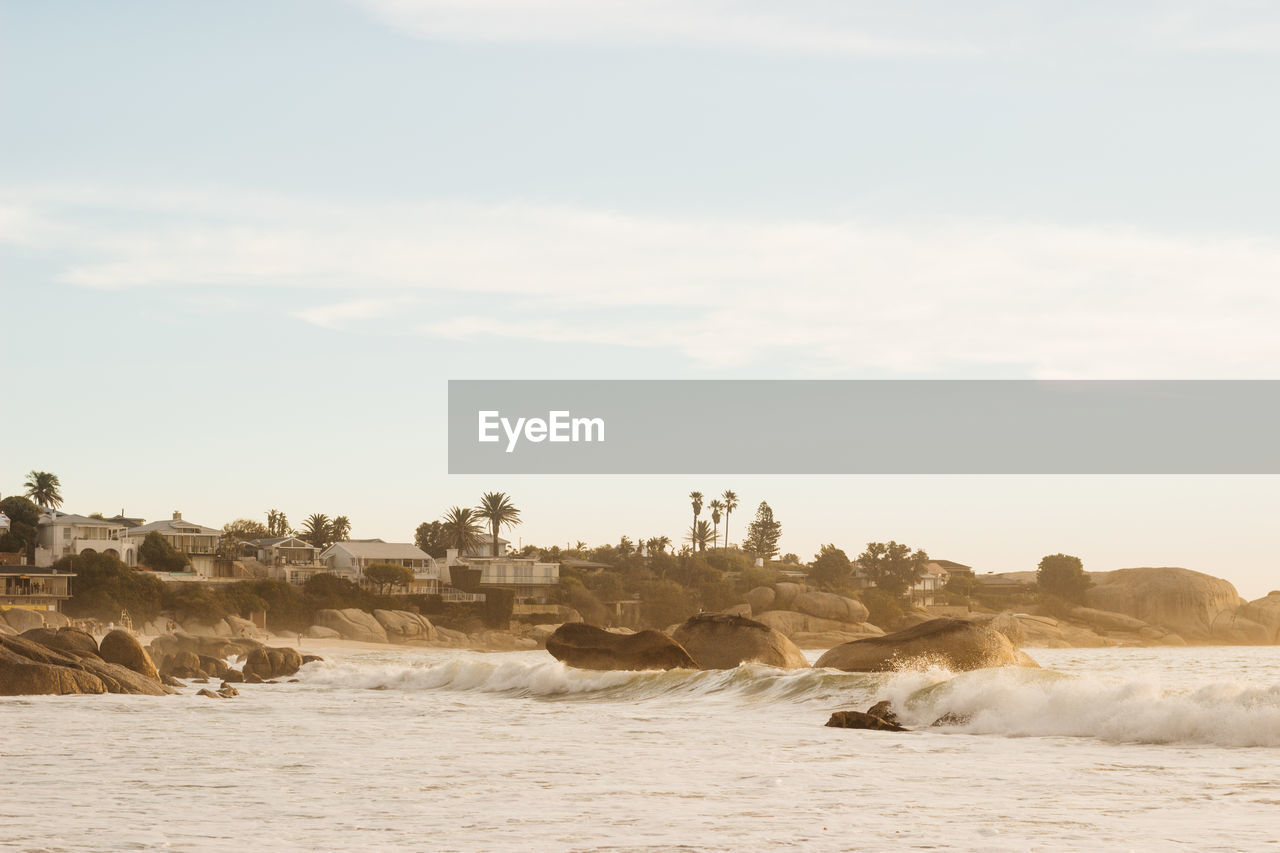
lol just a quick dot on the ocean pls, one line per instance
(416, 749)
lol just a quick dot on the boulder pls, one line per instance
(588, 647)
(827, 639)
(792, 622)
(76, 641)
(319, 632)
(828, 605)
(353, 624)
(1104, 620)
(784, 593)
(403, 626)
(1045, 632)
(22, 620)
(123, 648)
(214, 667)
(1235, 629)
(1266, 612)
(721, 641)
(884, 710)
(120, 679)
(244, 628)
(54, 619)
(859, 720)
(26, 668)
(951, 643)
(1178, 600)
(183, 664)
(951, 718)
(760, 599)
(268, 663)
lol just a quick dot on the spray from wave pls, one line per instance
(1009, 702)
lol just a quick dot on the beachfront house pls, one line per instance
(63, 534)
(29, 588)
(198, 542)
(287, 558)
(349, 560)
(532, 580)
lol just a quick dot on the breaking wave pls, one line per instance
(1009, 702)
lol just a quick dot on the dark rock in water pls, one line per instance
(252, 679)
(201, 680)
(233, 675)
(226, 691)
(859, 720)
(268, 663)
(295, 680)
(724, 641)
(952, 643)
(951, 718)
(311, 658)
(183, 664)
(123, 648)
(169, 681)
(29, 668)
(884, 710)
(210, 694)
(589, 647)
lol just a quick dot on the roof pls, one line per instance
(70, 518)
(173, 525)
(585, 564)
(378, 550)
(949, 565)
(276, 540)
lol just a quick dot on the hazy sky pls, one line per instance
(243, 245)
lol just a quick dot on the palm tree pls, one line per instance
(700, 534)
(340, 529)
(277, 523)
(730, 499)
(44, 489)
(658, 544)
(696, 498)
(317, 529)
(716, 506)
(497, 509)
(461, 529)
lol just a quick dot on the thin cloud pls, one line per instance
(835, 296)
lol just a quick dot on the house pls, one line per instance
(198, 542)
(485, 548)
(62, 534)
(950, 569)
(288, 558)
(31, 589)
(531, 579)
(349, 560)
(923, 592)
(5, 524)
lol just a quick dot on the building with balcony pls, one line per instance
(350, 559)
(30, 588)
(532, 580)
(198, 542)
(62, 534)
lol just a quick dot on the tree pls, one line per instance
(730, 499)
(664, 603)
(387, 575)
(24, 519)
(763, 533)
(831, 568)
(105, 586)
(892, 567)
(277, 523)
(700, 534)
(317, 529)
(695, 498)
(717, 506)
(44, 488)
(340, 529)
(461, 529)
(497, 509)
(1063, 575)
(429, 537)
(244, 529)
(158, 555)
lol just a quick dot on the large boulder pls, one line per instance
(22, 620)
(588, 647)
(27, 667)
(402, 626)
(792, 622)
(1266, 612)
(1106, 620)
(54, 619)
(1178, 600)
(244, 628)
(267, 663)
(123, 648)
(722, 641)
(183, 664)
(784, 594)
(1235, 629)
(828, 605)
(761, 599)
(951, 643)
(76, 641)
(353, 624)
(861, 720)
(319, 632)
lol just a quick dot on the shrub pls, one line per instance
(885, 610)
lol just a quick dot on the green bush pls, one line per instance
(104, 586)
(157, 554)
(885, 610)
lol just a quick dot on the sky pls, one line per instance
(244, 245)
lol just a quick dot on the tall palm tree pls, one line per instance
(658, 544)
(44, 489)
(340, 528)
(317, 529)
(716, 507)
(497, 509)
(461, 529)
(696, 499)
(277, 523)
(730, 499)
(700, 534)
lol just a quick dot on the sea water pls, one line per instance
(1116, 749)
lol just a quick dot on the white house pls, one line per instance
(530, 578)
(5, 524)
(62, 534)
(198, 542)
(349, 560)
